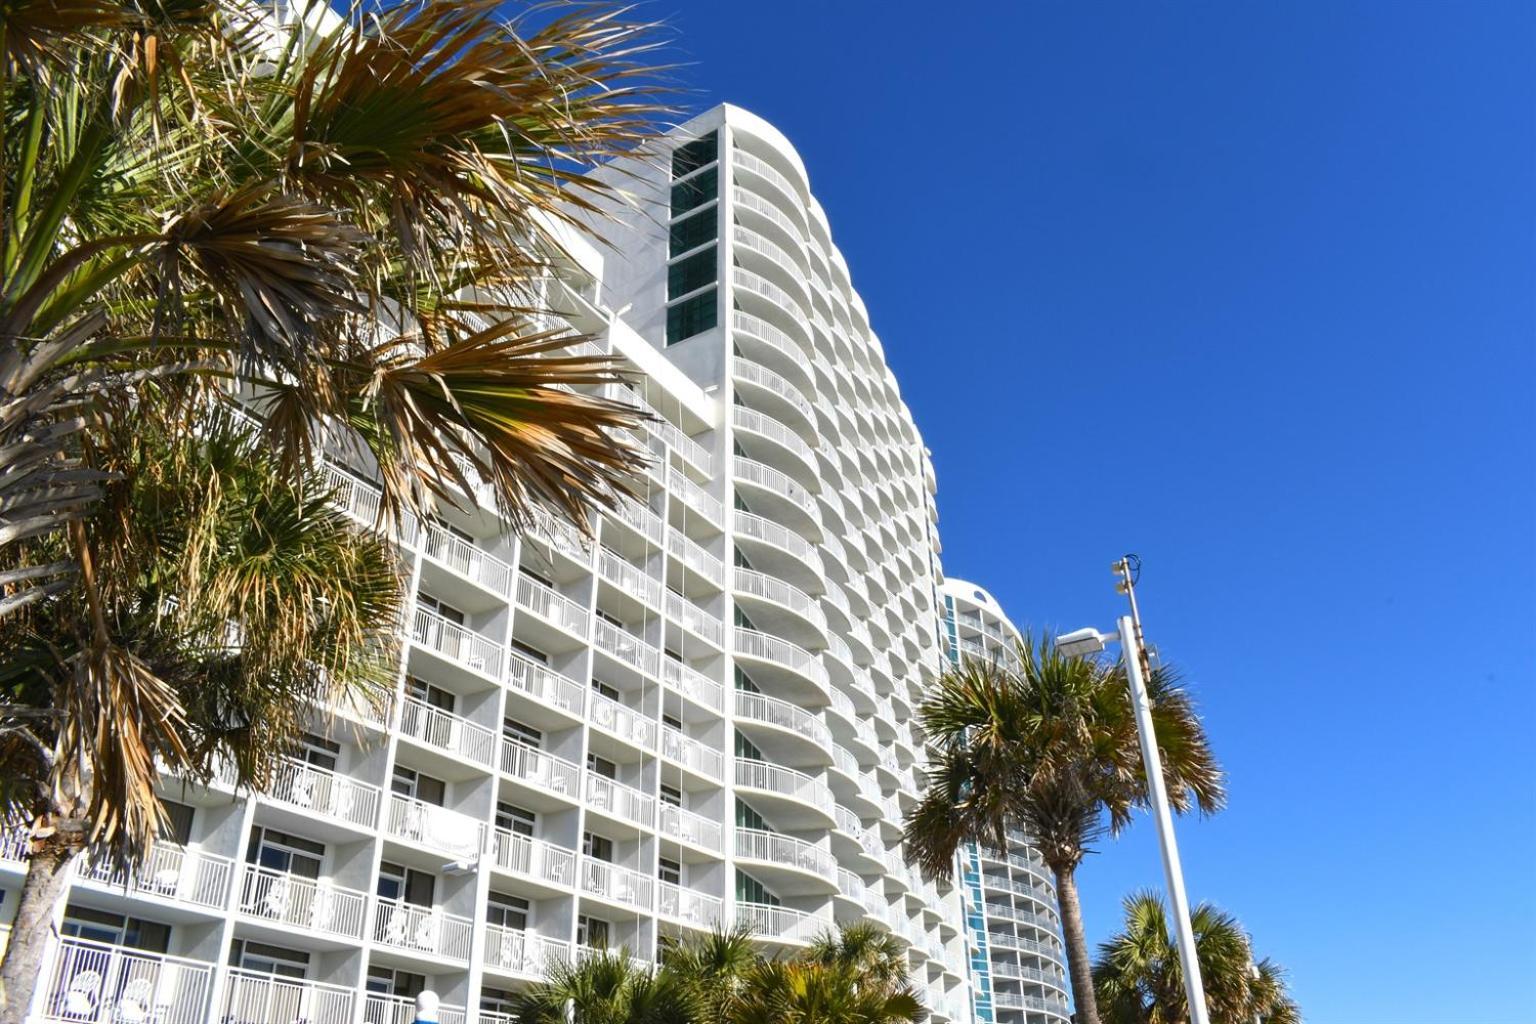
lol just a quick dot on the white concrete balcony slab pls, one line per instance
(459, 645)
(462, 557)
(620, 801)
(170, 871)
(688, 551)
(625, 647)
(695, 619)
(439, 828)
(748, 200)
(447, 732)
(688, 827)
(532, 858)
(700, 910)
(292, 901)
(323, 792)
(552, 606)
(623, 721)
(616, 884)
(798, 796)
(771, 346)
(523, 953)
(251, 997)
(98, 983)
(382, 1009)
(781, 923)
(694, 755)
(545, 685)
(778, 538)
(628, 577)
(802, 458)
(685, 447)
(539, 769)
(782, 715)
(426, 930)
(805, 614)
(781, 853)
(787, 656)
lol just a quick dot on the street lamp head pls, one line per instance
(1080, 643)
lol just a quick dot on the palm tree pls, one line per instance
(605, 987)
(800, 991)
(1139, 978)
(218, 604)
(1050, 748)
(353, 222)
(877, 958)
(716, 968)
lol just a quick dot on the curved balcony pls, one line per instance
(771, 261)
(689, 827)
(774, 392)
(761, 297)
(804, 736)
(777, 349)
(758, 432)
(754, 209)
(777, 548)
(778, 495)
(790, 198)
(796, 671)
(781, 924)
(784, 862)
(797, 799)
(779, 606)
(427, 930)
(293, 901)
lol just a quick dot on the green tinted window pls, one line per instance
(747, 817)
(690, 156)
(691, 316)
(691, 273)
(694, 232)
(696, 191)
(746, 749)
(750, 890)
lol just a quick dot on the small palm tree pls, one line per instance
(877, 958)
(716, 967)
(1139, 979)
(801, 991)
(1051, 749)
(605, 988)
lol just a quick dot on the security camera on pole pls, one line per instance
(1088, 641)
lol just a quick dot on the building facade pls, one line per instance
(1013, 925)
(703, 715)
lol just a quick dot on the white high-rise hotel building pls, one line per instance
(706, 715)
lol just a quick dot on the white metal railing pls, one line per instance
(786, 595)
(766, 426)
(761, 330)
(762, 708)
(533, 858)
(551, 605)
(694, 618)
(768, 172)
(755, 644)
(612, 882)
(545, 685)
(169, 871)
(628, 577)
(464, 558)
(693, 684)
(789, 266)
(770, 479)
(447, 731)
(620, 800)
(756, 204)
(456, 643)
(642, 519)
(690, 753)
(691, 554)
(103, 984)
(842, 704)
(434, 826)
(773, 382)
(323, 792)
(781, 922)
(521, 952)
(382, 1009)
(696, 908)
(690, 450)
(251, 997)
(623, 721)
(626, 647)
(298, 902)
(424, 929)
(690, 827)
(696, 497)
(537, 768)
(362, 501)
(775, 778)
(757, 844)
(749, 524)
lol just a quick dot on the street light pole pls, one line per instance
(1137, 667)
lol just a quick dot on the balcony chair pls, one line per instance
(81, 997)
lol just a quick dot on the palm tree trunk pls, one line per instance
(1079, 967)
(49, 871)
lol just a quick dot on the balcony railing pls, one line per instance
(781, 922)
(446, 731)
(552, 606)
(323, 792)
(537, 768)
(693, 684)
(620, 800)
(102, 984)
(533, 858)
(761, 330)
(466, 559)
(430, 825)
(623, 721)
(619, 884)
(696, 908)
(762, 708)
(545, 685)
(696, 497)
(690, 827)
(421, 929)
(768, 210)
(774, 383)
(757, 844)
(786, 595)
(170, 871)
(695, 454)
(755, 644)
(522, 952)
(786, 782)
(641, 519)
(759, 423)
(695, 557)
(382, 1009)
(251, 997)
(456, 643)
(691, 753)
(298, 902)
(626, 647)
(694, 618)
(628, 577)
(748, 524)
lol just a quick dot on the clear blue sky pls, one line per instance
(1247, 289)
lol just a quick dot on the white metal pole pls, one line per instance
(1194, 987)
